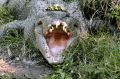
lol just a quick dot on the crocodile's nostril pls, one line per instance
(75, 25)
(39, 23)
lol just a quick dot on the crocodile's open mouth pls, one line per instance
(57, 36)
(55, 40)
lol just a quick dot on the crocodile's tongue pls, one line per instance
(57, 42)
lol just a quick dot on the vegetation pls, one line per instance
(9, 76)
(115, 14)
(96, 57)
(5, 16)
(96, 8)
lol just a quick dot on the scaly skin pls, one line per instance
(52, 32)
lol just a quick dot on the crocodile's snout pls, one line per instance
(54, 41)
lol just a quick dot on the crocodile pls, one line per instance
(52, 25)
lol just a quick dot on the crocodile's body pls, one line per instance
(50, 31)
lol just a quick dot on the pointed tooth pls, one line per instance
(65, 29)
(64, 24)
(50, 30)
(56, 26)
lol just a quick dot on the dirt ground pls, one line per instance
(22, 68)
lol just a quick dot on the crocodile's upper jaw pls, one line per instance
(55, 41)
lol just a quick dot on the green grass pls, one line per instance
(5, 15)
(97, 57)
(10, 76)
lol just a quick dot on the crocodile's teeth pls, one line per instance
(56, 26)
(65, 29)
(51, 29)
(64, 24)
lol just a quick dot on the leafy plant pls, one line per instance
(95, 8)
(114, 13)
(94, 58)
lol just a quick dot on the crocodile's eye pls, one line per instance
(39, 23)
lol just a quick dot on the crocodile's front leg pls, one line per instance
(27, 25)
(12, 25)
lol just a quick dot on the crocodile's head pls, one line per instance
(53, 39)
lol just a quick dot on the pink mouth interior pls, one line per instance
(57, 40)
